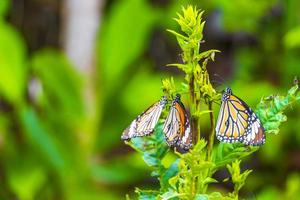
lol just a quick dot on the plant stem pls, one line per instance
(197, 122)
(212, 132)
(194, 105)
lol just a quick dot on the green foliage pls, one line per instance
(225, 154)
(42, 113)
(250, 16)
(192, 26)
(123, 39)
(168, 86)
(154, 149)
(26, 180)
(238, 178)
(146, 194)
(270, 109)
(291, 189)
(38, 136)
(191, 174)
(292, 39)
(60, 81)
(4, 4)
(13, 69)
(114, 42)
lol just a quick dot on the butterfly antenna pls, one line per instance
(220, 77)
(218, 82)
(222, 81)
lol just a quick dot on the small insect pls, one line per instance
(144, 123)
(177, 128)
(238, 123)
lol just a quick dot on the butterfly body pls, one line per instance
(237, 122)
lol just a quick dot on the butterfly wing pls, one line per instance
(255, 135)
(144, 124)
(130, 131)
(177, 128)
(185, 140)
(232, 122)
(171, 126)
(238, 123)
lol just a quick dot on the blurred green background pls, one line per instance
(61, 120)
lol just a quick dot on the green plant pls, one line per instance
(190, 175)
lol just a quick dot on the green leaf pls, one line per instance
(226, 153)
(215, 195)
(4, 5)
(202, 197)
(178, 35)
(208, 180)
(61, 85)
(292, 39)
(151, 159)
(26, 180)
(292, 186)
(207, 54)
(168, 87)
(183, 67)
(153, 149)
(269, 192)
(124, 36)
(13, 70)
(270, 109)
(142, 81)
(113, 173)
(237, 177)
(146, 194)
(169, 195)
(40, 138)
(168, 174)
(250, 12)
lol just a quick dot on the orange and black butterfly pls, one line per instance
(144, 124)
(238, 123)
(177, 128)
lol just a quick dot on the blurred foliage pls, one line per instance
(250, 16)
(66, 97)
(45, 126)
(291, 38)
(12, 53)
(115, 44)
(4, 7)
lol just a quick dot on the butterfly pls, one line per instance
(144, 123)
(237, 122)
(177, 128)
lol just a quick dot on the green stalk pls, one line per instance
(212, 132)
(195, 106)
(192, 101)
